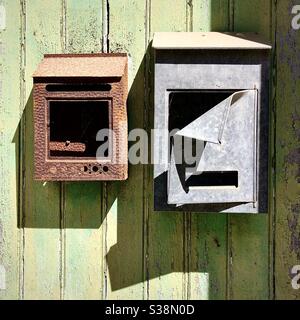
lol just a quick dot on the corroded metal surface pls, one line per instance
(82, 65)
(74, 168)
(67, 146)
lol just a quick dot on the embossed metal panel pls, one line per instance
(70, 110)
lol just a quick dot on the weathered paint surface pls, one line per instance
(248, 239)
(40, 219)
(287, 148)
(10, 111)
(103, 240)
(82, 202)
(123, 212)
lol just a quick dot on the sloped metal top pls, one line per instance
(82, 65)
(208, 40)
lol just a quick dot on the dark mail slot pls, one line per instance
(197, 102)
(213, 179)
(78, 87)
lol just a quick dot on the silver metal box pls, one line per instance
(211, 122)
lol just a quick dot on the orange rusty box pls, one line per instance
(80, 118)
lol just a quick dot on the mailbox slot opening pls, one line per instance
(213, 179)
(78, 87)
(73, 126)
(186, 106)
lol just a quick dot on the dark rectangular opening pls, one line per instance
(214, 179)
(186, 106)
(78, 87)
(74, 126)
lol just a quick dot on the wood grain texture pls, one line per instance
(82, 209)
(252, 16)
(164, 231)
(83, 26)
(41, 215)
(83, 233)
(103, 240)
(124, 200)
(210, 15)
(248, 236)
(10, 72)
(287, 196)
(83, 267)
(208, 232)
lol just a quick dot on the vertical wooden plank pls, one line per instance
(210, 15)
(124, 206)
(165, 232)
(165, 263)
(208, 248)
(83, 270)
(248, 256)
(83, 26)
(287, 196)
(174, 16)
(208, 240)
(10, 76)
(83, 241)
(42, 248)
(252, 16)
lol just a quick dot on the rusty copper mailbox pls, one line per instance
(75, 96)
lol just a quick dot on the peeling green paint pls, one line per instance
(103, 240)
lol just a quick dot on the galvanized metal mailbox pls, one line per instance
(211, 122)
(75, 97)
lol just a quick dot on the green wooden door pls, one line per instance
(103, 240)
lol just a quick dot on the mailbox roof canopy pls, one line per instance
(100, 65)
(208, 40)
